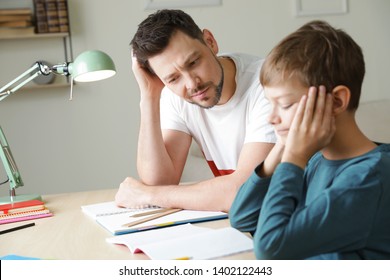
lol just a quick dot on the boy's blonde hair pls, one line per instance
(317, 54)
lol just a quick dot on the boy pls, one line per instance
(324, 190)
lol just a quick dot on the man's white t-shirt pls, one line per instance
(222, 130)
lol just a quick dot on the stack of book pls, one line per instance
(16, 21)
(22, 211)
(51, 16)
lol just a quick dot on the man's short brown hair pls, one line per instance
(154, 33)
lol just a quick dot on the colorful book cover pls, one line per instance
(23, 206)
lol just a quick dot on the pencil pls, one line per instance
(152, 217)
(150, 212)
(17, 228)
(183, 258)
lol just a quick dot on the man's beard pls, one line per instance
(218, 91)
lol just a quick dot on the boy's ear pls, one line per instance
(341, 96)
(210, 41)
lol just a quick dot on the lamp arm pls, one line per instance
(6, 157)
(37, 69)
(15, 180)
(61, 69)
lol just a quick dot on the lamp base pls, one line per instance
(19, 198)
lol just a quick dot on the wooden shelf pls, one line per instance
(21, 35)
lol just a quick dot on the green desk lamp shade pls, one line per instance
(92, 66)
(89, 66)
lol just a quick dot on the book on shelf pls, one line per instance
(22, 211)
(124, 220)
(16, 11)
(11, 17)
(40, 17)
(52, 16)
(186, 242)
(16, 23)
(63, 15)
(15, 19)
(15, 32)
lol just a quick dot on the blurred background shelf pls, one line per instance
(27, 34)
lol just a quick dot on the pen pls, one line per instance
(17, 228)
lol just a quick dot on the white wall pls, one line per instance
(90, 142)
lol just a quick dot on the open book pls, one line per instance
(116, 219)
(109, 208)
(186, 242)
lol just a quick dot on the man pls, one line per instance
(188, 92)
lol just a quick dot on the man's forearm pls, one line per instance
(151, 149)
(215, 194)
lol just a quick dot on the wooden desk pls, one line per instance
(72, 235)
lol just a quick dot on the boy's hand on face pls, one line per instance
(149, 84)
(312, 127)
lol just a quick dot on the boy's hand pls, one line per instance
(272, 160)
(312, 128)
(149, 84)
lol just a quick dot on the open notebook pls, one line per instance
(109, 208)
(186, 242)
(114, 218)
